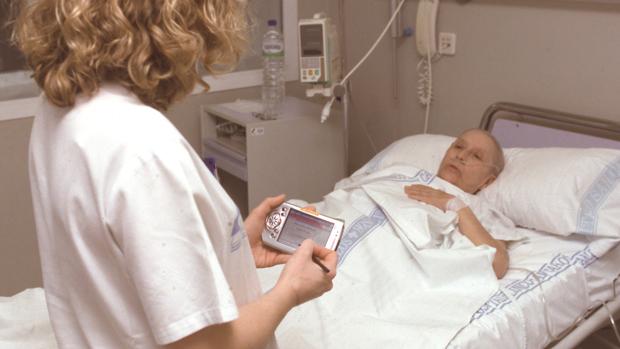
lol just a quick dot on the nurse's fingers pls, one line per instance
(327, 257)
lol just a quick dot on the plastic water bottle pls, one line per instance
(273, 71)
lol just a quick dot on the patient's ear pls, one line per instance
(487, 182)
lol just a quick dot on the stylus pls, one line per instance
(317, 261)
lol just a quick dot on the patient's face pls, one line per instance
(469, 162)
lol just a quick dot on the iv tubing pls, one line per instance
(372, 48)
(544, 301)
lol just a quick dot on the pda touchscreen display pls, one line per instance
(300, 226)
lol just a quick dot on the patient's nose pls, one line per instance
(463, 156)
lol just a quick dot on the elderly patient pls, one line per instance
(471, 163)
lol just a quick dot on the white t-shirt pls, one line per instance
(140, 245)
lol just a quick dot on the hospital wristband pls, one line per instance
(455, 204)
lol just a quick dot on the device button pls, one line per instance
(273, 221)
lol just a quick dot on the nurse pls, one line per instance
(140, 246)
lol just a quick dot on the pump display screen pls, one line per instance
(300, 226)
(311, 40)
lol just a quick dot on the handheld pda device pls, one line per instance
(288, 226)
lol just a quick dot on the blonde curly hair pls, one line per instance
(152, 47)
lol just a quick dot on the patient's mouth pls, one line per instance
(454, 168)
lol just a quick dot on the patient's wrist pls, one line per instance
(455, 204)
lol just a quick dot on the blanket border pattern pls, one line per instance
(596, 196)
(548, 271)
(358, 230)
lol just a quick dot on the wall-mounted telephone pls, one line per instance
(425, 36)
(426, 43)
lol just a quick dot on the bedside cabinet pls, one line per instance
(294, 154)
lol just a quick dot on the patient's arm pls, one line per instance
(469, 224)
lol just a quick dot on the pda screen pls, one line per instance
(311, 40)
(300, 226)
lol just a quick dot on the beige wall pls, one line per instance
(19, 259)
(556, 54)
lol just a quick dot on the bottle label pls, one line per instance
(273, 50)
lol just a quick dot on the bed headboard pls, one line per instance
(516, 125)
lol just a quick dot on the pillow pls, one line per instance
(423, 151)
(560, 190)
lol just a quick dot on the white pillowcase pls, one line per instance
(423, 151)
(560, 190)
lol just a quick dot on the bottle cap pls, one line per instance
(272, 22)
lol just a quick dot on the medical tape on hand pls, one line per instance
(455, 204)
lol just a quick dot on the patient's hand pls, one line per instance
(428, 195)
(264, 256)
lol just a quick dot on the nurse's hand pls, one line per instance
(428, 195)
(264, 256)
(302, 279)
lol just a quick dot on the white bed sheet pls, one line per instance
(24, 323)
(575, 274)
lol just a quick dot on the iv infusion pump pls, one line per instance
(313, 50)
(318, 54)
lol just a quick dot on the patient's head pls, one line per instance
(473, 161)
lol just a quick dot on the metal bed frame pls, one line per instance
(605, 313)
(547, 118)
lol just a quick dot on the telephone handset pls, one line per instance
(427, 47)
(425, 27)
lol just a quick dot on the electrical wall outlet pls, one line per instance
(447, 44)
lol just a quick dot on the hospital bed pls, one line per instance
(559, 289)
(517, 125)
(557, 316)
